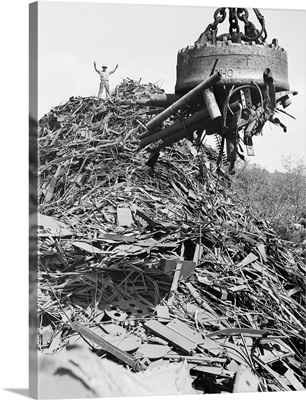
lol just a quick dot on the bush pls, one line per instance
(278, 197)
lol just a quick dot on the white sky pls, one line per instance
(14, 127)
(144, 39)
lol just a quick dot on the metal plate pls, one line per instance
(114, 330)
(129, 343)
(126, 309)
(153, 351)
(119, 337)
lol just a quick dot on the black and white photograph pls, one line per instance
(166, 201)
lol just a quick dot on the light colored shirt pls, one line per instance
(104, 75)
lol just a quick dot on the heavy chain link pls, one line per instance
(261, 20)
(236, 14)
(251, 33)
(220, 15)
(234, 25)
(233, 20)
(249, 28)
(212, 29)
(243, 15)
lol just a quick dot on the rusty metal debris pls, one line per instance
(115, 233)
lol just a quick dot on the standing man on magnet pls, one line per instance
(104, 79)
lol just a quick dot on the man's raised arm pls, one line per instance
(96, 67)
(111, 72)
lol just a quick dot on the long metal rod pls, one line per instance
(183, 100)
(211, 104)
(159, 100)
(108, 347)
(150, 137)
(203, 124)
(196, 121)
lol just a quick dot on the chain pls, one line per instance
(219, 17)
(243, 15)
(261, 20)
(236, 14)
(251, 33)
(233, 20)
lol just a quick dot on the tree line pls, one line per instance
(278, 197)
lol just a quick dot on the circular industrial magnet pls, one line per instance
(239, 64)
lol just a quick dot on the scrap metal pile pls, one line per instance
(162, 270)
